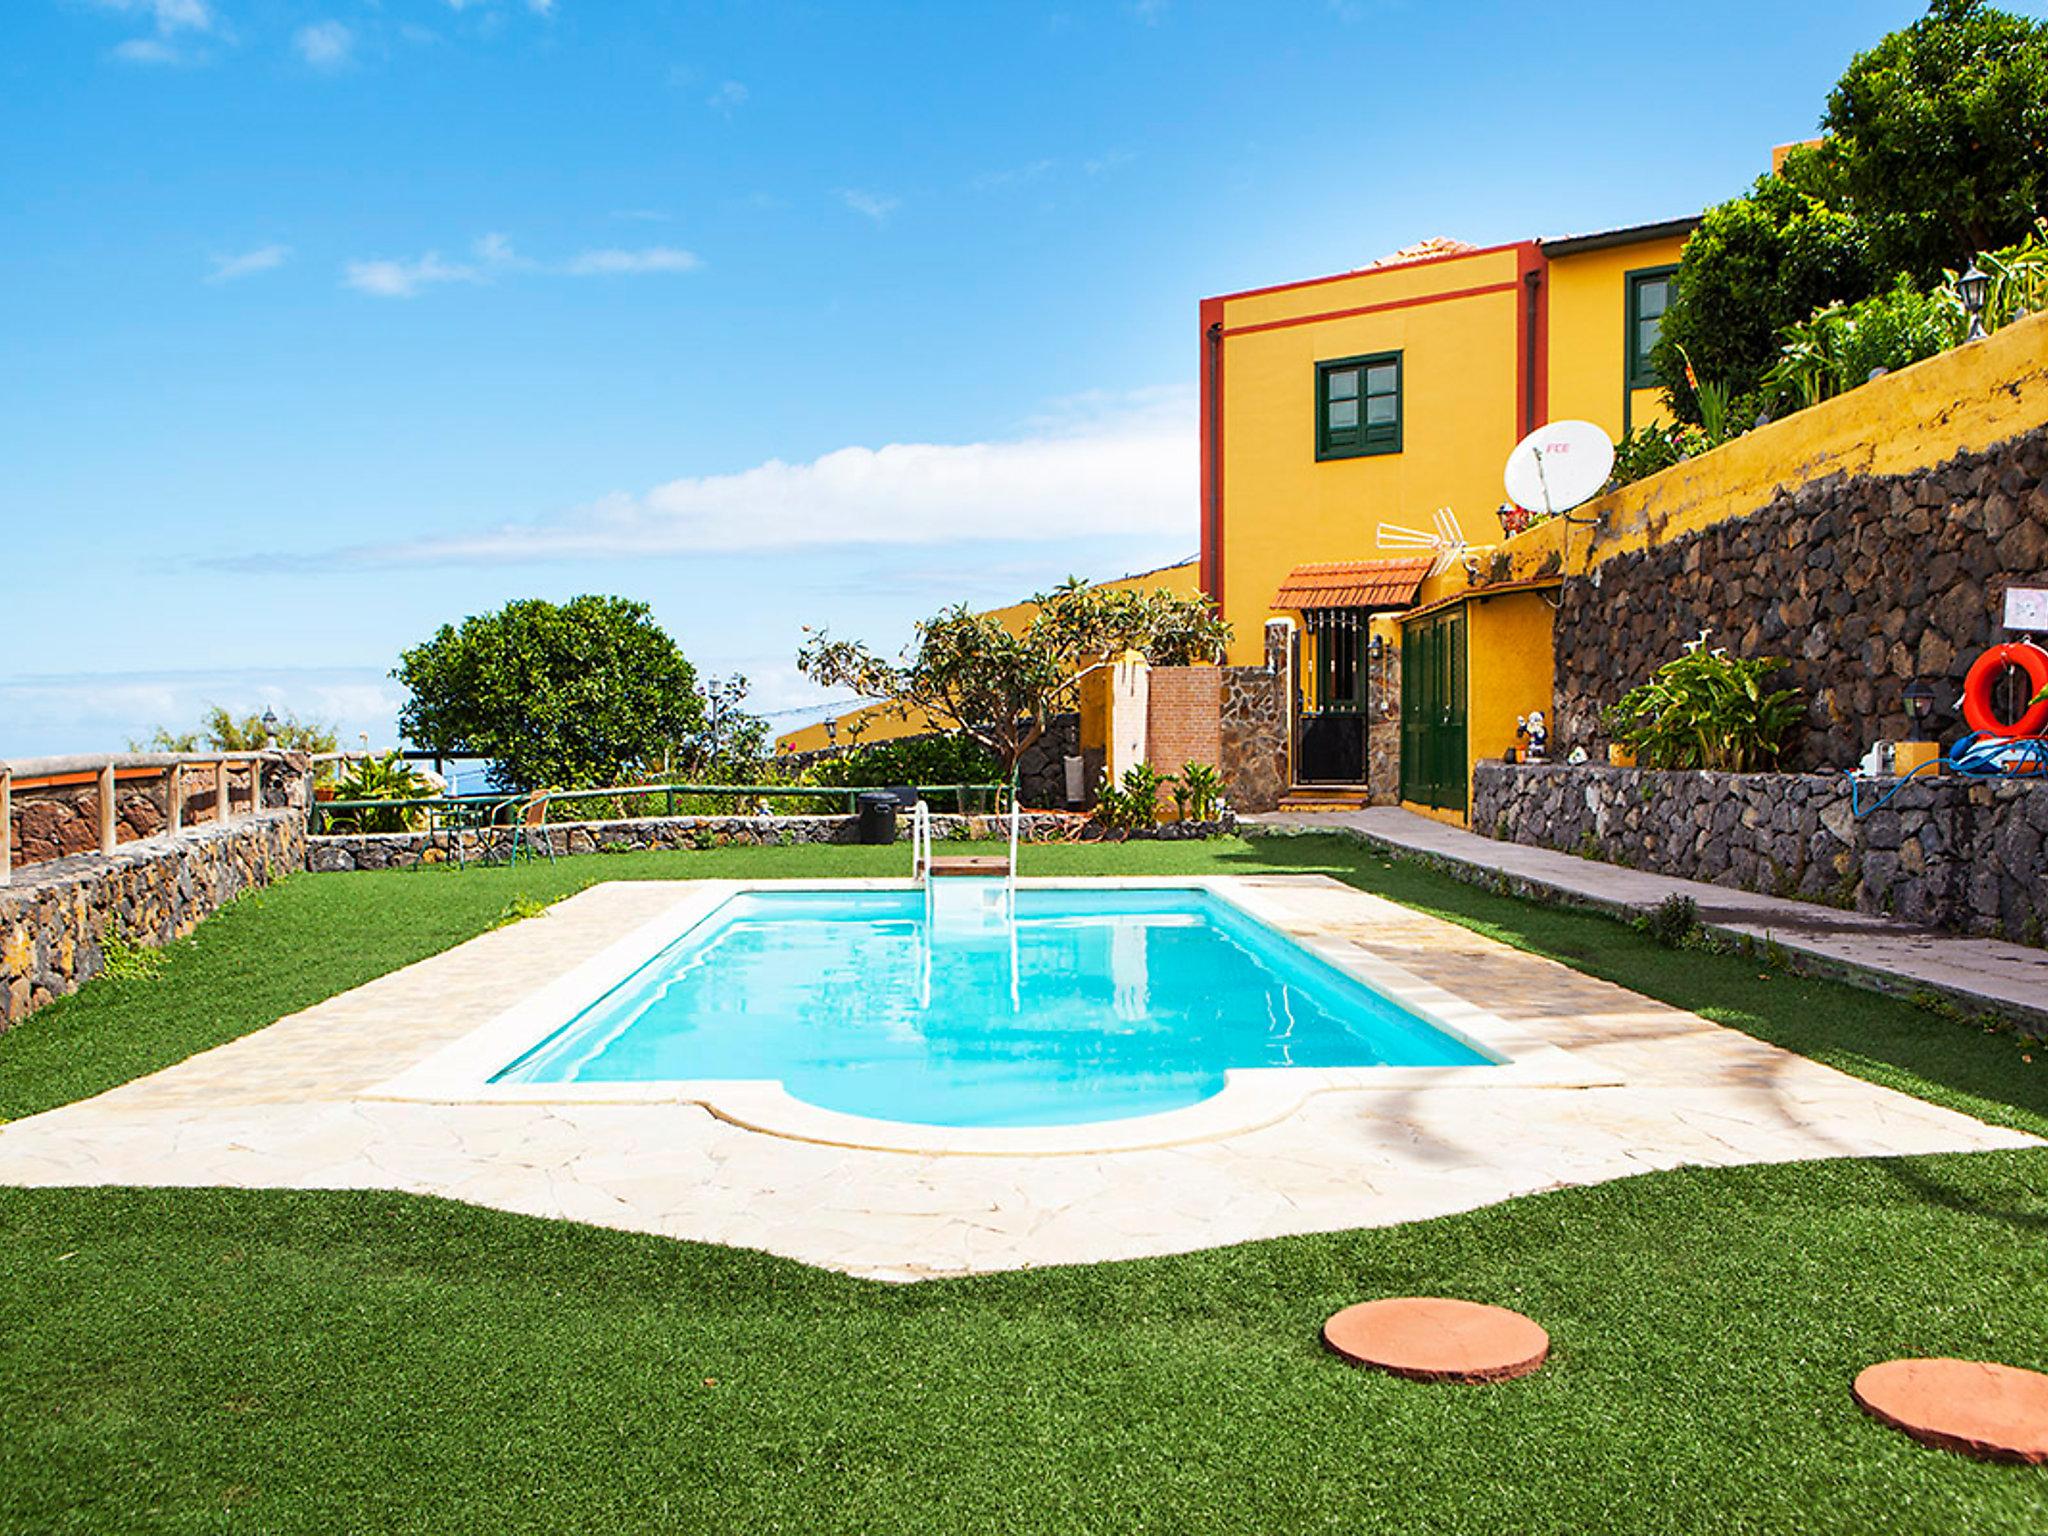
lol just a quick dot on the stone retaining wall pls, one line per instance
(1863, 583)
(399, 850)
(1944, 852)
(57, 918)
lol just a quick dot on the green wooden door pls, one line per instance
(1433, 712)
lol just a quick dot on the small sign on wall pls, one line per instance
(2027, 608)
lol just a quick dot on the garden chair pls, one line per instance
(532, 827)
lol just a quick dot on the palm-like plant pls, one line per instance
(1707, 709)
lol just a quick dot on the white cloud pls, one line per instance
(169, 15)
(616, 263)
(729, 95)
(494, 255)
(1117, 465)
(1013, 176)
(147, 50)
(538, 7)
(404, 279)
(265, 258)
(870, 205)
(325, 44)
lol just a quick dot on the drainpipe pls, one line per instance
(1212, 470)
(1531, 281)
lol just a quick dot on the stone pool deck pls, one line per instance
(296, 1105)
(1987, 975)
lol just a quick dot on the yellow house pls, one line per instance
(885, 722)
(1340, 411)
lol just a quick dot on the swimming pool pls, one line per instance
(973, 1005)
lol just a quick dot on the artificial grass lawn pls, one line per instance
(216, 1360)
(298, 1361)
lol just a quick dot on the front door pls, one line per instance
(1433, 712)
(1333, 715)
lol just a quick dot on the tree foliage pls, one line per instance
(1943, 131)
(1755, 265)
(1000, 688)
(575, 695)
(1936, 150)
(222, 731)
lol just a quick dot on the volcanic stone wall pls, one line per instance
(1942, 852)
(58, 919)
(1863, 583)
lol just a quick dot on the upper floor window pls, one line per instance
(1649, 295)
(1358, 406)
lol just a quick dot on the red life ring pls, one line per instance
(1984, 675)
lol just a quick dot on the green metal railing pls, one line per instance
(467, 812)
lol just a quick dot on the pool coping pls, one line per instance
(1251, 1098)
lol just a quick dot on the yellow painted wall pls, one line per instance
(1588, 336)
(1510, 668)
(882, 722)
(1281, 507)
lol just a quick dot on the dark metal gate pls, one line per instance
(1330, 748)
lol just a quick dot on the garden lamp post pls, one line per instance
(1919, 702)
(1973, 287)
(270, 730)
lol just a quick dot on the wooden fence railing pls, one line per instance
(106, 772)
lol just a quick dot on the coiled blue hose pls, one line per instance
(1975, 756)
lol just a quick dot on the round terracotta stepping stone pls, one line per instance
(1993, 1412)
(1434, 1338)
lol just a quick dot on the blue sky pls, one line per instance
(328, 323)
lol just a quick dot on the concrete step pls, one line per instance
(1326, 797)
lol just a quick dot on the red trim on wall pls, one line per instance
(1532, 340)
(1373, 309)
(1211, 374)
(1392, 266)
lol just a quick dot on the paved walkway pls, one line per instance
(1876, 952)
(296, 1106)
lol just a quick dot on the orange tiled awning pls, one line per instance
(1353, 584)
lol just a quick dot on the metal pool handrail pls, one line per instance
(921, 842)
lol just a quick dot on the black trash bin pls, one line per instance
(877, 817)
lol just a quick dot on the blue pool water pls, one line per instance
(1091, 1005)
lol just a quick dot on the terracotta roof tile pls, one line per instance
(1353, 584)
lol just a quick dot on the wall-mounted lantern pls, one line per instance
(1973, 287)
(1919, 702)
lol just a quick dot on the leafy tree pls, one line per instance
(1755, 265)
(999, 688)
(1943, 135)
(575, 695)
(224, 732)
(1937, 149)
(1002, 689)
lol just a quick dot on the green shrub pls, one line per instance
(1672, 922)
(949, 758)
(1198, 792)
(1134, 803)
(1707, 709)
(388, 777)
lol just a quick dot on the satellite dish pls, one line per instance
(1556, 467)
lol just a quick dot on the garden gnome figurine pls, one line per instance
(1531, 729)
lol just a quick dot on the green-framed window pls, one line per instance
(1649, 295)
(1358, 406)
